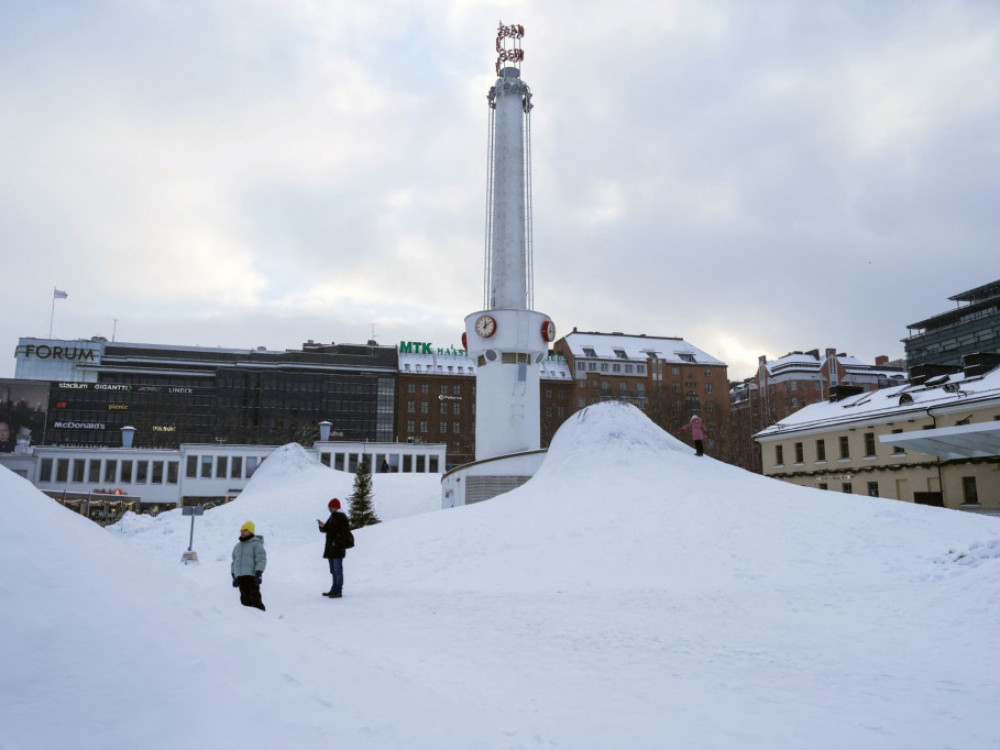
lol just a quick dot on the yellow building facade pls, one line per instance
(936, 443)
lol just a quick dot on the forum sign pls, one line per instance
(52, 359)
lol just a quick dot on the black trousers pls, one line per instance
(249, 592)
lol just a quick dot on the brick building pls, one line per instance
(666, 377)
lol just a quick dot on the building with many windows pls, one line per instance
(436, 398)
(182, 394)
(973, 327)
(787, 384)
(666, 377)
(936, 443)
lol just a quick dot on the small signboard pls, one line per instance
(191, 510)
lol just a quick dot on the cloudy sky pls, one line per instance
(755, 177)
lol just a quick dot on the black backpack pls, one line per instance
(347, 539)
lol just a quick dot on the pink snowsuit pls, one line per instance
(698, 433)
(698, 429)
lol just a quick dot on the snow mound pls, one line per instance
(587, 435)
(281, 468)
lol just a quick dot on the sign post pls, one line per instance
(191, 510)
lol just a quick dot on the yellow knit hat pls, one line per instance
(248, 526)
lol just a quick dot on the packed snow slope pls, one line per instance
(631, 595)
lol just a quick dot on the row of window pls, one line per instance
(383, 463)
(970, 495)
(109, 471)
(425, 427)
(843, 446)
(455, 407)
(425, 388)
(222, 467)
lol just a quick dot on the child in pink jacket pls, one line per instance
(698, 432)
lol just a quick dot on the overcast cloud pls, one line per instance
(756, 177)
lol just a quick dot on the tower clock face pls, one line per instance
(486, 326)
(548, 331)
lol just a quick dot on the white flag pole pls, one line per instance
(56, 294)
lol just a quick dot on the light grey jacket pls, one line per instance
(249, 557)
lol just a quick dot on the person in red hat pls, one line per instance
(337, 529)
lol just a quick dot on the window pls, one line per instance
(141, 472)
(456, 408)
(869, 444)
(588, 352)
(620, 353)
(110, 469)
(221, 466)
(173, 468)
(251, 465)
(424, 427)
(78, 466)
(157, 472)
(424, 408)
(46, 472)
(411, 388)
(969, 494)
(779, 455)
(444, 389)
(206, 467)
(708, 388)
(236, 466)
(823, 485)
(456, 428)
(444, 407)
(847, 488)
(411, 426)
(798, 453)
(821, 450)
(443, 427)
(192, 466)
(425, 388)
(126, 472)
(896, 450)
(411, 407)
(94, 471)
(873, 489)
(845, 450)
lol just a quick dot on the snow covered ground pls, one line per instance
(631, 595)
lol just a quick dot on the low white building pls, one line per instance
(195, 473)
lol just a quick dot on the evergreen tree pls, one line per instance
(362, 511)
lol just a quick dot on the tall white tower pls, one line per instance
(507, 339)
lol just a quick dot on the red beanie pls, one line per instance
(333, 504)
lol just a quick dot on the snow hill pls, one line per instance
(631, 595)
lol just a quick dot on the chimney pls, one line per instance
(881, 360)
(324, 430)
(128, 433)
(830, 353)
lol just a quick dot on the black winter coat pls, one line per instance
(336, 528)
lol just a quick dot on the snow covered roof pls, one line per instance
(894, 402)
(639, 348)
